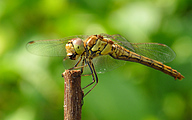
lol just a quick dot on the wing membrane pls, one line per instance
(106, 63)
(156, 51)
(54, 47)
(47, 47)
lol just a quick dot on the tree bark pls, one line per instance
(73, 95)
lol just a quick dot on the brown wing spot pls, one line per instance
(111, 42)
(31, 42)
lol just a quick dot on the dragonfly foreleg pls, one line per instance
(94, 77)
(82, 66)
(76, 64)
(91, 69)
(83, 62)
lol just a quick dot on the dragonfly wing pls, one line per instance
(106, 63)
(47, 47)
(68, 63)
(156, 51)
(50, 47)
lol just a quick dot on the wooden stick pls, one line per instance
(73, 95)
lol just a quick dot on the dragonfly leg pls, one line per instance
(91, 69)
(83, 62)
(94, 76)
(82, 66)
(86, 74)
(77, 67)
(76, 64)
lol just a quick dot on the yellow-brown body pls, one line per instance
(97, 45)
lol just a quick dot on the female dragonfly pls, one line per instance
(105, 52)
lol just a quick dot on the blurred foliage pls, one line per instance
(31, 87)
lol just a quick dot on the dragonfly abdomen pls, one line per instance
(123, 54)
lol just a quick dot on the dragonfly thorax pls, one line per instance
(74, 48)
(98, 45)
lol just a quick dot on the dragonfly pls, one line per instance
(102, 52)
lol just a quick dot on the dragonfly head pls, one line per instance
(74, 48)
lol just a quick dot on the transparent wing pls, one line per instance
(47, 47)
(68, 63)
(50, 47)
(106, 63)
(156, 51)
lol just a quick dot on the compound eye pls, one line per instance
(78, 45)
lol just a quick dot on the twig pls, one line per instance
(73, 95)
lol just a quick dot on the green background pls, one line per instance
(31, 87)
